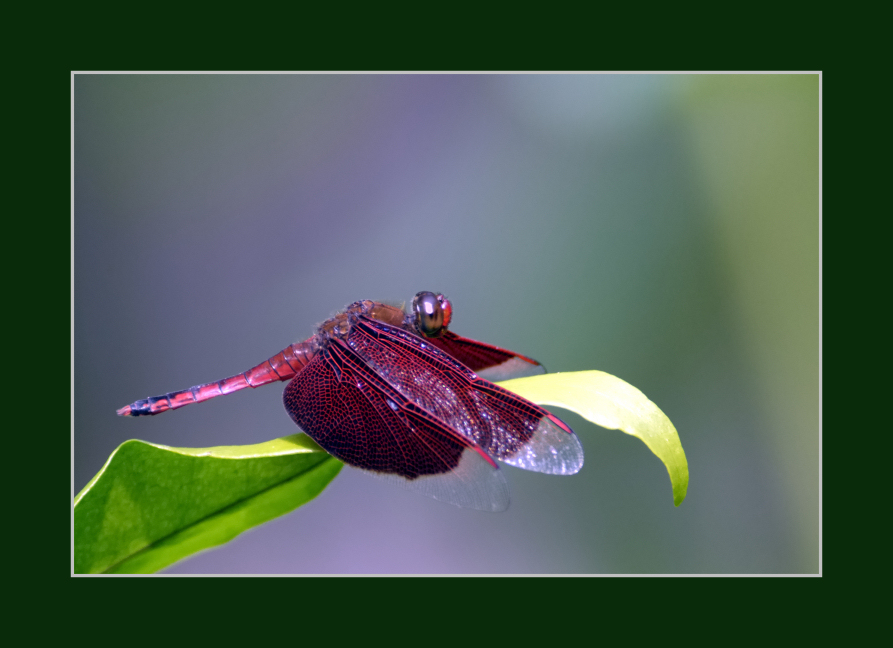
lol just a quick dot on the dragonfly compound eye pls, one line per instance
(447, 310)
(429, 314)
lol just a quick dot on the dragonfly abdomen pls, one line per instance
(282, 366)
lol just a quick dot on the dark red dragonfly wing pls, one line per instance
(506, 426)
(487, 361)
(356, 416)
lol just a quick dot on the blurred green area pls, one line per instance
(755, 140)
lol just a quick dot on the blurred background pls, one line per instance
(661, 228)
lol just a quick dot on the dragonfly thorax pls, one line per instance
(338, 326)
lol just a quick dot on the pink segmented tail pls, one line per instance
(282, 366)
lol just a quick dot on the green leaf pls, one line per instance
(152, 505)
(614, 404)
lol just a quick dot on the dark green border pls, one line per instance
(452, 38)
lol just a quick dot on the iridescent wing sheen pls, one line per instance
(354, 414)
(503, 424)
(487, 361)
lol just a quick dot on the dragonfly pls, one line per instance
(400, 396)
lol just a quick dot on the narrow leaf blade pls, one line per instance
(611, 403)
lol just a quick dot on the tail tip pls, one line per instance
(125, 411)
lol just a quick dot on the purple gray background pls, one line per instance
(662, 228)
